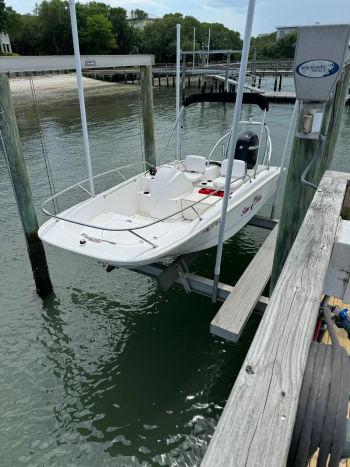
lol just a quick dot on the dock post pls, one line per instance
(280, 83)
(253, 67)
(339, 100)
(275, 85)
(203, 80)
(11, 145)
(147, 114)
(183, 77)
(227, 73)
(297, 195)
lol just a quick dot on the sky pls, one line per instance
(268, 13)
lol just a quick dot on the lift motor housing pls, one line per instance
(320, 56)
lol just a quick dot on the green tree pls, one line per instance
(2, 15)
(138, 14)
(124, 34)
(160, 36)
(25, 34)
(54, 25)
(268, 47)
(98, 36)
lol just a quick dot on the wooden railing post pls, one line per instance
(12, 148)
(147, 114)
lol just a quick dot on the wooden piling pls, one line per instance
(280, 83)
(12, 147)
(275, 84)
(147, 114)
(227, 72)
(297, 195)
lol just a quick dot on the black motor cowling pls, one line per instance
(247, 148)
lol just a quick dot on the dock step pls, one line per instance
(237, 308)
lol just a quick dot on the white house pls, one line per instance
(5, 43)
(283, 30)
(141, 23)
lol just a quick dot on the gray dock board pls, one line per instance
(237, 308)
(256, 425)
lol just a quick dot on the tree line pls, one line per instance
(104, 29)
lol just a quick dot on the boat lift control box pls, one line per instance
(320, 56)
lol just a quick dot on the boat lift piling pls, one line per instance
(318, 124)
(147, 114)
(73, 19)
(11, 144)
(177, 90)
(233, 140)
(12, 148)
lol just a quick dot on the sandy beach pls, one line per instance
(63, 86)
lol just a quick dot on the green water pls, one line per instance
(110, 370)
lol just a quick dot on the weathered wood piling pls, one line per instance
(20, 183)
(147, 114)
(298, 195)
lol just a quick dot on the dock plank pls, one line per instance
(256, 425)
(237, 308)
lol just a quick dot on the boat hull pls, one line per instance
(138, 246)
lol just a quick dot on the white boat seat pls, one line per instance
(168, 186)
(239, 170)
(195, 167)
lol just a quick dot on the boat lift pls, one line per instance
(178, 271)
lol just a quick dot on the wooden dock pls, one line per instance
(237, 308)
(257, 423)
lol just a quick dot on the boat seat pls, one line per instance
(239, 170)
(195, 167)
(167, 189)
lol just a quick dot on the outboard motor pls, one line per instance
(247, 148)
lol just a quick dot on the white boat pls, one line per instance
(171, 209)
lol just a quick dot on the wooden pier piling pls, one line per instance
(147, 114)
(298, 195)
(13, 153)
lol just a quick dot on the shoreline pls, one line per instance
(63, 86)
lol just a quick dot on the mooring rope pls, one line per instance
(323, 404)
(44, 148)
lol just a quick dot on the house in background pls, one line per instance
(5, 43)
(283, 30)
(140, 23)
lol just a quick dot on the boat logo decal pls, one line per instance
(256, 199)
(90, 62)
(317, 68)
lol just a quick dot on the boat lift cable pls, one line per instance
(312, 162)
(285, 156)
(321, 420)
(141, 129)
(44, 147)
(172, 133)
(233, 141)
